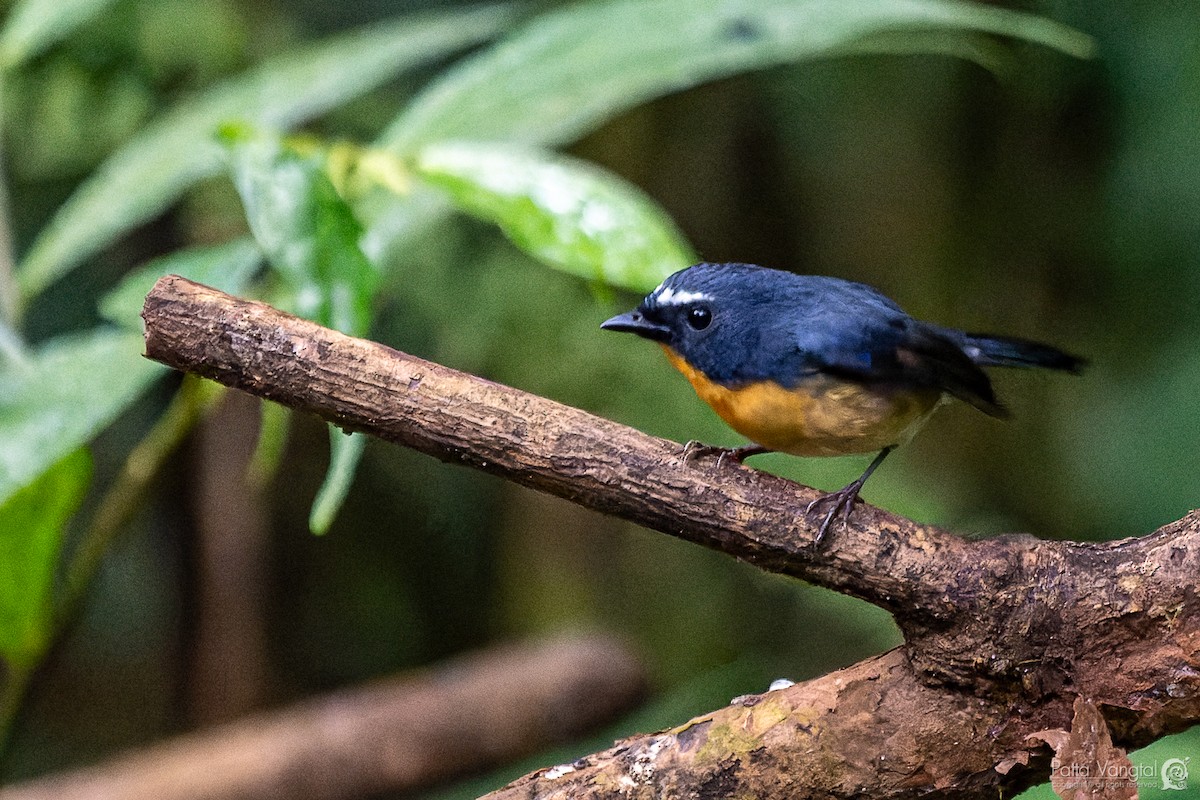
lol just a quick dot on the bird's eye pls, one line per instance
(699, 317)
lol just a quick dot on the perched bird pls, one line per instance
(817, 366)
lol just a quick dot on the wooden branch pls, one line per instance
(360, 385)
(396, 735)
(1001, 635)
(819, 739)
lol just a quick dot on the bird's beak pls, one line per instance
(635, 322)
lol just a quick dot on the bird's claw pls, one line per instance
(694, 450)
(842, 500)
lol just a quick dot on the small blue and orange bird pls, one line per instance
(817, 366)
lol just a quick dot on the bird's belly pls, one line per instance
(821, 416)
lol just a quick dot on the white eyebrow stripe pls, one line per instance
(670, 297)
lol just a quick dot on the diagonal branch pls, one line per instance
(360, 385)
(1002, 635)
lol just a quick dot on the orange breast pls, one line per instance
(823, 416)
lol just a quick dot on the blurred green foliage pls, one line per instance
(32, 524)
(1043, 196)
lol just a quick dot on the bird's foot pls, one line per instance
(694, 450)
(842, 500)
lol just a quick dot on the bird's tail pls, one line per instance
(1003, 351)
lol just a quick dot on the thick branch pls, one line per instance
(600, 464)
(1001, 635)
(872, 730)
(395, 735)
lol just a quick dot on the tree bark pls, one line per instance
(1001, 635)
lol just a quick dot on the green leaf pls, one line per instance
(34, 25)
(153, 169)
(32, 523)
(345, 451)
(567, 213)
(228, 267)
(274, 423)
(570, 69)
(62, 396)
(307, 232)
(12, 347)
(988, 52)
(311, 240)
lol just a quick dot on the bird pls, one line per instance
(819, 366)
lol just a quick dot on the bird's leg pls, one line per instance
(843, 499)
(694, 449)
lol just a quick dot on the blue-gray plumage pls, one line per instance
(813, 365)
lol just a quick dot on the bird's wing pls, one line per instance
(866, 337)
